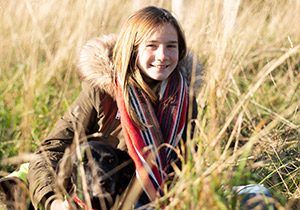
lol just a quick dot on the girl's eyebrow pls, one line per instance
(169, 42)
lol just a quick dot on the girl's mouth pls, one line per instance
(160, 66)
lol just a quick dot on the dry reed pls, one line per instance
(249, 51)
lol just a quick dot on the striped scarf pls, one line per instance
(150, 148)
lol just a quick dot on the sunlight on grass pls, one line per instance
(248, 122)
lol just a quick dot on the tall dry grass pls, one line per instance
(247, 128)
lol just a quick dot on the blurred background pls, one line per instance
(248, 126)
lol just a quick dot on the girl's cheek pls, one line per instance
(174, 56)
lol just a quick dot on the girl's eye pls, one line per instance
(172, 46)
(151, 45)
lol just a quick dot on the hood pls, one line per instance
(96, 68)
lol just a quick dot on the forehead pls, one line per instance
(163, 33)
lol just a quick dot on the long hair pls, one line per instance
(138, 27)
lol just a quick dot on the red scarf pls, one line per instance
(150, 147)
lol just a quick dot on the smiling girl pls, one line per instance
(134, 97)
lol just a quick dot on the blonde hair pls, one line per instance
(138, 27)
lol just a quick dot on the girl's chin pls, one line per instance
(159, 77)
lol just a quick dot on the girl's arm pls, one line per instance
(81, 117)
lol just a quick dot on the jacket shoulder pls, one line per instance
(95, 65)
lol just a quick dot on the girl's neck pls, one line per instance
(153, 84)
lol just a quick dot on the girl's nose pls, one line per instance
(161, 53)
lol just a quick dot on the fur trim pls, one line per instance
(96, 68)
(191, 69)
(95, 63)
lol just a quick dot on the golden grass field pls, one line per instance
(248, 125)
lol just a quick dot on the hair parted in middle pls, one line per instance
(138, 27)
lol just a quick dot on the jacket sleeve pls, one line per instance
(80, 118)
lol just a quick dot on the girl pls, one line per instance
(134, 98)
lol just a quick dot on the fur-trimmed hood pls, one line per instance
(96, 68)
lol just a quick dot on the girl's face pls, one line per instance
(158, 55)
